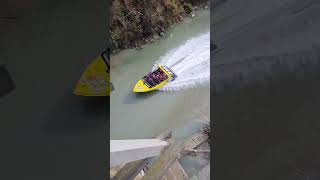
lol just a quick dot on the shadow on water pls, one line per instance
(75, 114)
(134, 98)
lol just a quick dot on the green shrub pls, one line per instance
(187, 8)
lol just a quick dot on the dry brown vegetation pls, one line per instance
(135, 22)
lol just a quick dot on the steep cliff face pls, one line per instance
(135, 22)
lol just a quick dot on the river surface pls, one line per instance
(183, 100)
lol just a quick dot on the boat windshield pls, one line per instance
(173, 76)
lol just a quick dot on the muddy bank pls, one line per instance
(135, 23)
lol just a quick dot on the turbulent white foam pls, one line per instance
(190, 62)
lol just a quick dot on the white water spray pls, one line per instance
(190, 62)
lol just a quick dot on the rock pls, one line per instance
(180, 18)
(193, 15)
(156, 36)
(161, 34)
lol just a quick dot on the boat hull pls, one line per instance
(141, 87)
(95, 81)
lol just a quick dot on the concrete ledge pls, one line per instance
(124, 151)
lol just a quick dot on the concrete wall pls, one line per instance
(124, 151)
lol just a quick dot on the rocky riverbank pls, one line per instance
(137, 22)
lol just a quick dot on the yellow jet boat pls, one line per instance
(95, 81)
(156, 79)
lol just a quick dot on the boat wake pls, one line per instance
(190, 62)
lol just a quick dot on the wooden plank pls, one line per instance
(176, 172)
(168, 175)
(132, 169)
(161, 165)
(195, 141)
(114, 170)
(139, 176)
